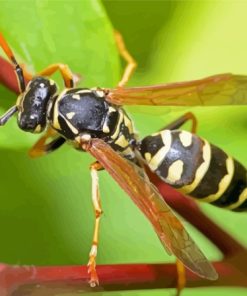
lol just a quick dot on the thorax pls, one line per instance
(85, 111)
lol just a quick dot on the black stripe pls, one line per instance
(216, 171)
(65, 129)
(151, 144)
(191, 156)
(236, 186)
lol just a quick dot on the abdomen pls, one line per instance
(196, 168)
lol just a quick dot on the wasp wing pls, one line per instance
(170, 230)
(222, 89)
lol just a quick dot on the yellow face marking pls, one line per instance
(70, 115)
(52, 82)
(120, 120)
(161, 153)
(128, 124)
(76, 97)
(224, 183)
(37, 129)
(185, 138)
(242, 198)
(122, 142)
(201, 171)
(175, 171)
(19, 100)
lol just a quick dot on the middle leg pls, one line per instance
(181, 121)
(94, 168)
(131, 63)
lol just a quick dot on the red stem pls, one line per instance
(112, 278)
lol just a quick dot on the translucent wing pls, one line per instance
(171, 232)
(222, 89)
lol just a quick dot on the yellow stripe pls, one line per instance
(161, 154)
(175, 171)
(224, 183)
(122, 142)
(128, 124)
(242, 198)
(120, 120)
(185, 138)
(72, 128)
(201, 171)
(55, 122)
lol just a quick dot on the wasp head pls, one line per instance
(32, 104)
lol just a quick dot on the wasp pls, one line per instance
(93, 120)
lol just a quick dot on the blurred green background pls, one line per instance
(46, 216)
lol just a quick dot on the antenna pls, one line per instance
(18, 69)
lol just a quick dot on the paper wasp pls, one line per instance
(94, 121)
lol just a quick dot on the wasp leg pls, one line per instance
(181, 281)
(40, 148)
(64, 70)
(95, 167)
(131, 63)
(182, 120)
(27, 75)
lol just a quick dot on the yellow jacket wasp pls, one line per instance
(94, 121)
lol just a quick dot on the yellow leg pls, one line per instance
(131, 63)
(40, 148)
(94, 280)
(181, 281)
(64, 70)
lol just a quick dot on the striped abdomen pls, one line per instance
(119, 132)
(196, 168)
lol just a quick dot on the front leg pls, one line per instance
(94, 168)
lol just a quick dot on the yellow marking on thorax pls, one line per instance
(175, 171)
(242, 198)
(148, 156)
(73, 129)
(55, 122)
(84, 91)
(128, 124)
(122, 142)
(120, 120)
(128, 151)
(70, 115)
(185, 138)
(106, 129)
(161, 153)
(76, 97)
(201, 170)
(111, 109)
(224, 183)
(100, 93)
